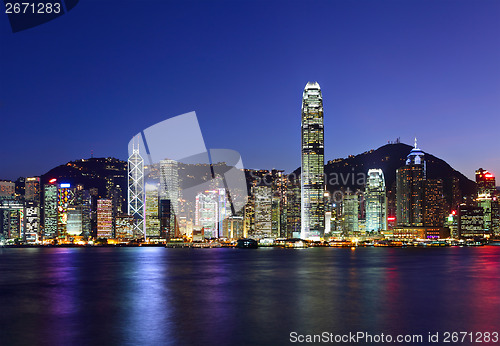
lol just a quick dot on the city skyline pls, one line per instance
(384, 74)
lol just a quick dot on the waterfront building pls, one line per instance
(104, 218)
(170, 191)
(11, 218)
(293, 206)
(434, 214)
(350, 214)
(233, 227)
(485, 181)
(249, 217)
(207, 213)
(66, 196)
(263, 211)
(31, 221)
(152, 211)
(410, 190)
(50, 210)
(167, 223)
(136, 192)
(32, 189)
(74, 226)
(471, 222)
(312, 177)
(375, 201)
(124, 227)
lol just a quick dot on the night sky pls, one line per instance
(104, 71)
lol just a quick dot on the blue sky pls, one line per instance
(94, 77)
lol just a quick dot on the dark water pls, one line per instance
(158, 296)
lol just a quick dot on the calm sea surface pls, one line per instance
(158, 296)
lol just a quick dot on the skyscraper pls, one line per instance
(207, 213)
(136, 192)
(32, 189)
(169, 191)
(350, 214)
(485, 182)
(410, 190)
(50, 210)
(104, 218)
(263, 211)
(376, 201)
(312, 182)
(152, 214)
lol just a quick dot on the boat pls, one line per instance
(247, 244)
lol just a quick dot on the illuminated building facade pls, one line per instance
(136, 192)
(104, 218)
(7, 188)
(233, 227)
(74, 225)
(32, 189)
(471, 222)
(350, 214)
(31, 221)
(65, 197)
(375, 201)
(167, 227)
(169, 195)
(206, 213)
(485, 182)
(410, 190)
(312, 182)
(263, 211)
(124, 227)
(11, 218)
(434, 203)
(487, 198)
(293, 209)
(50, 210)
(152, 214)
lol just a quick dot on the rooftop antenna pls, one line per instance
(415, 142)
(91, 153)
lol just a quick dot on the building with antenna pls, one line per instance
(136, 192)
(313, 164)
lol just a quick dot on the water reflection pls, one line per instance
(130, 296)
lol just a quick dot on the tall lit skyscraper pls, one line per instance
(50, 210)
(312, 182)
(169, 195)
(207, 213)
(263, 211)
(410, 190)
(376, 201)
(152, 215)
(136, 192)
(487, 199)
(350, 214)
